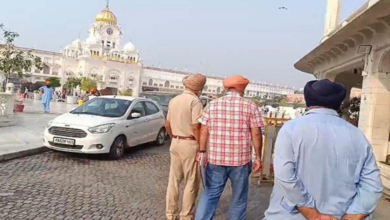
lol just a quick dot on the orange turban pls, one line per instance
(238, 83)
(194, 82)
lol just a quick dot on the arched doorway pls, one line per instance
(166, 84)
(150, 83)
(384, 65)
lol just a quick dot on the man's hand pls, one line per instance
(326, 217)
(202, 156)
(313, 214)
(256, 167)
(354, 217)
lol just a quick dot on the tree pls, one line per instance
(283, 102)
(55, 82)
(14, 61)
(354, 110)
(72, 83)
(87, 84)
(128, 92)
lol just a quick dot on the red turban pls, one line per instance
(238, 83)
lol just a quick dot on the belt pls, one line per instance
(191, 138)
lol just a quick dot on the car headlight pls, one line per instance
(101, 128)
(49, 124)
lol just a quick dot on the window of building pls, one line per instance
(144, 83)
(113, 78)
(37, 70)
(131, 81)
(177, 87)
(46, 70)
(113, 45)
(150, 108)
(155, 84)
(161, 85)
(150, 82)
(172, 86)
(108, 43)
(102, 42)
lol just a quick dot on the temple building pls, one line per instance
(115, 67)
(356, 53)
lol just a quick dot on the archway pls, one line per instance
(150, 83)
(166, 84)
(384, 65)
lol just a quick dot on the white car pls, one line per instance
(106, 125)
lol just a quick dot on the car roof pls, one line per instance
(129, 98)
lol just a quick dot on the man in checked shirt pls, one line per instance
(229, 125)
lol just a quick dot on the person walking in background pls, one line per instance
(324, 166)
(183, 128)
(47, 96)
(26, 93)
(229, 126)
(93, 94)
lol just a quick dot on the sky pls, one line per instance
(215, 37)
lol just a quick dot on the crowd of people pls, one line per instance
(324, 167)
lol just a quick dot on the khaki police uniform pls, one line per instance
(184, 111)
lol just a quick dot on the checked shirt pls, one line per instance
(229, 120)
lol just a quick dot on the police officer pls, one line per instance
(183, 128)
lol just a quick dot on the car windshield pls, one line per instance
(161, 99)
(103, 107)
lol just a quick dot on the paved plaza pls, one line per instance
(54, 185)
(27, 133)
(66, 186)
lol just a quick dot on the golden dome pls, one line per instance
(106, 16)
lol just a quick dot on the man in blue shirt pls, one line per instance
(47, 96)
(324, 166)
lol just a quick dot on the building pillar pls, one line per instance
(332, 16)
(371, 2)
(374, 118)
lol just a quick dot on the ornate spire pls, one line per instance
(108, 4)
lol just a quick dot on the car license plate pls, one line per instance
(65, 141)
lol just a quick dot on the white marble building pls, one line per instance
(356, 53)
(102, 57)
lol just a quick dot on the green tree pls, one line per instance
(87, 84)
(55, 82)
(128, 92)
(72, 83)
(283, 102)
(14, 61)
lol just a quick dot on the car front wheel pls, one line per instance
(118, 148)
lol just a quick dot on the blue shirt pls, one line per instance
(322, 161)
(47, 95)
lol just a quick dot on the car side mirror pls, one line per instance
(135, 115)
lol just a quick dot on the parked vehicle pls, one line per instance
(161, 98)
(205, 100)
(107, 125)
